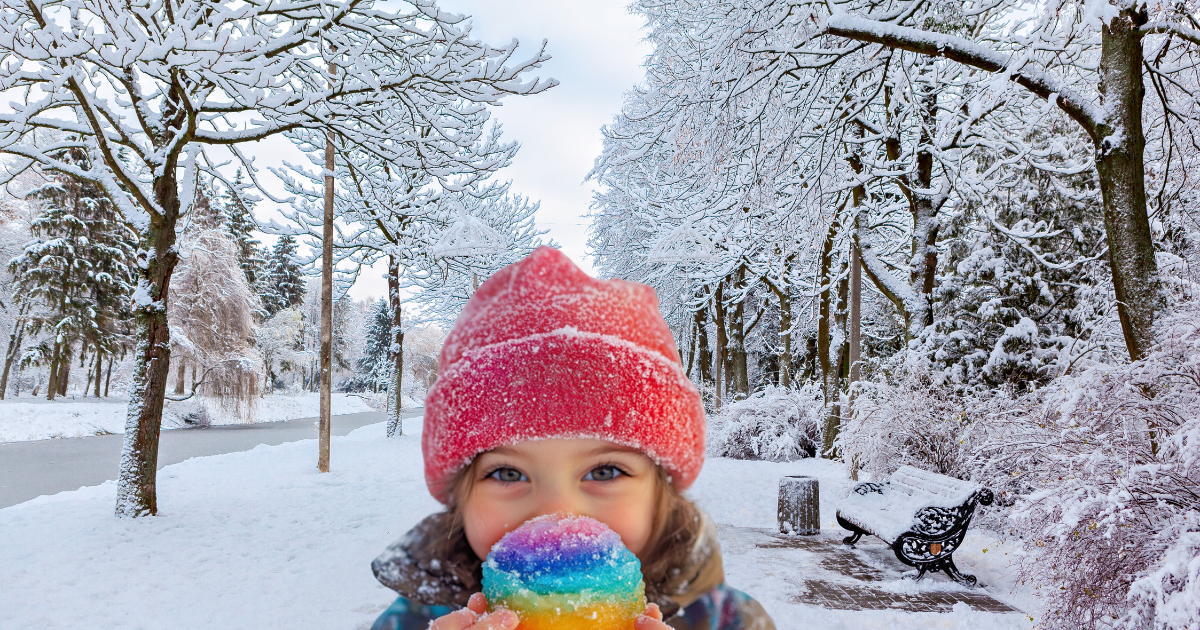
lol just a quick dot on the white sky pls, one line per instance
(597, 53)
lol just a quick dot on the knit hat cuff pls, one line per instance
(563, 384)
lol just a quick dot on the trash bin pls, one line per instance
(799, 505)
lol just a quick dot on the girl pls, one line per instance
(561, 393)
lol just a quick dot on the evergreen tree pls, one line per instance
(238, 213)
(284, 279)
(374, 364)
(78, 273)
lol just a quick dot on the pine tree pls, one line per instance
(374, 364)
(238, 213)
(284, 279)
(78, 273)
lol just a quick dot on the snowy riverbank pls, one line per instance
(25, 419)
(260, 539)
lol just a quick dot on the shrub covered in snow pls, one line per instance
(915, 420)
(1113, 461)
(775, 424)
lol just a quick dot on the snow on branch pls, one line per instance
(969, 53)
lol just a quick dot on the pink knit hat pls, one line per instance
(542, 351)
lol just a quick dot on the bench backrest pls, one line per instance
(927, 488)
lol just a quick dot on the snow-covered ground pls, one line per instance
(259, 539)
(26, 419)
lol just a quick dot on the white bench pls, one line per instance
(923, 516)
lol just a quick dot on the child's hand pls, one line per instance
(650, 619)
(476, 617)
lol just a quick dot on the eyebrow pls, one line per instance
(610, 448)
(604, 449)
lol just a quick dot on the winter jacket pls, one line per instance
(430, 587)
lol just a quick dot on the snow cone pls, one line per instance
(561, 572)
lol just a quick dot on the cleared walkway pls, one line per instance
(31, 469)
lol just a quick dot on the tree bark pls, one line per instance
(739, 371)
(326, 308)
(108, 375)
(99, 372)
(64, 368)
(719, 355)
(702, 346)
(925, 222)
(179, 375)
(691, 362)
(785, 331)
(834, 377)
(52, 386)
(855, 316)
(136, 484)
(14, 348)
(396, 352)
(1120, 146)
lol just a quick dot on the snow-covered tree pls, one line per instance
(284, 280)
(238, 212)
(1095, 63)
(211, 315)
(405, 208)
(278, 342)
(374, 364)
(77, 274)
(236, 73)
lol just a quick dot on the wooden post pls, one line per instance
(326, 305)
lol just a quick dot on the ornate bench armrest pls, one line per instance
(867, 487)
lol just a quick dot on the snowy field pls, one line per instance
(259, 539)
(27, 419)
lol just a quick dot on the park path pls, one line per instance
(32, 469)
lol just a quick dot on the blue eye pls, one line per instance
(508, 475)
(603, 473)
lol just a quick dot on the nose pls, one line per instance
(559, 497)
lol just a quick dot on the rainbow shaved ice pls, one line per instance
(561, 572)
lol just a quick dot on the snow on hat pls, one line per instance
(543, 351)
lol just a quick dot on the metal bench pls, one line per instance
(923, 516)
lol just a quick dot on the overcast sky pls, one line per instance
(597, 53)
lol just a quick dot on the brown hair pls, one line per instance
(673, 535)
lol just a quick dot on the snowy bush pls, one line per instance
(774, 424)
(1113, 460)
(917, 421)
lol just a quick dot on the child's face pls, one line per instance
(610, 483)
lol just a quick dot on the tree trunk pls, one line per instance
(925, 222)
(136, 490)
(1120, 146)
(739, 372)
(52, 386)
(395, 426)
(87, 382)
(14, 348)
(691, 362)
(719, 317)
(824, 359)
(702, 347)
(179, 375)
(64, 368)
(99, 372)
(108, 375)
(833, 377)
